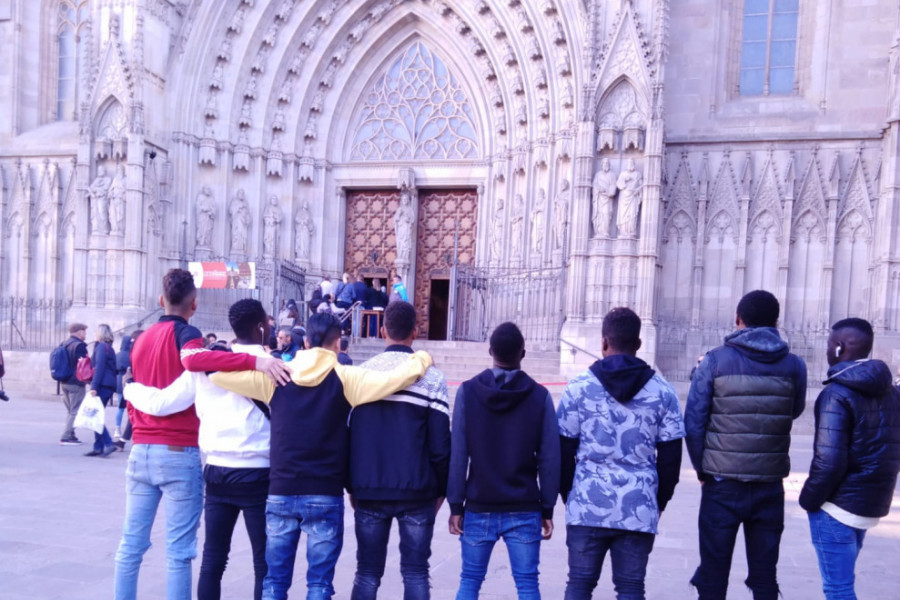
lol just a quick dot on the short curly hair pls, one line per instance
(178, 287)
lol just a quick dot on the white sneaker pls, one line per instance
(117, 434)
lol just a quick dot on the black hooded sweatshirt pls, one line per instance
(623, 376)
(505, 435)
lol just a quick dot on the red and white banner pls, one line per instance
(224, 275)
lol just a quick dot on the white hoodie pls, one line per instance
(234, 432)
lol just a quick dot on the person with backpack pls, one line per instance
(103, 384)
(63, 361)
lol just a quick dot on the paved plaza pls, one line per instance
(61, 516)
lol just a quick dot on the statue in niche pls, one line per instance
(272, 218)
(206, 217)
(516, 225)
(278, 123)
(240, 223)
(631, 183)
(497, 232)
(604, 189)
(537, 223)
(237, 22)
(305, 228)
(225, 50)
(561, 213)
(117, 202)
(99, 195)
(403, 227)
(318, 101)
(259, 63)
(312, 34)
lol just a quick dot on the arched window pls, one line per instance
(71, 15)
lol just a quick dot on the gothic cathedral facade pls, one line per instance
(667, 156)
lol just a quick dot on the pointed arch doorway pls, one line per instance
(443, 215)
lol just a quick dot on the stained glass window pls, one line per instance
(416, 109)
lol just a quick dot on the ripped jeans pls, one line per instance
(321, 518)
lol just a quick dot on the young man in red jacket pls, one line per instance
(165, 461)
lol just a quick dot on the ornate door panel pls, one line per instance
(438, 212)
(371, 245)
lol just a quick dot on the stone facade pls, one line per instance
(610, 140)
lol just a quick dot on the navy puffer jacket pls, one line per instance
(857, 446)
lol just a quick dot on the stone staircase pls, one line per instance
(462, 360)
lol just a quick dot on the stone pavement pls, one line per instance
(61, 517)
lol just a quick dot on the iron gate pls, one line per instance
(531, 298)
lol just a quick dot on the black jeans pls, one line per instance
(373, 527)
(724, 506)
(629, 552)
(225, 500)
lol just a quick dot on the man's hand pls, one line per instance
(456, 522)
(276, 369)
(437, 505)
(546, 528)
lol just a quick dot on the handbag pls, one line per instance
(84, 370)
(91, 414)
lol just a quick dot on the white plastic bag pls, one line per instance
(91, 414)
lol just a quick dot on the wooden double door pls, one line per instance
(371, 246)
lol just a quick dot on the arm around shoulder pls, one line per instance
(252, 384)
(362, 386)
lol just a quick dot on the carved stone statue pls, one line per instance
(497, 232)
(631, 183)
(206, 217)
(561, 212)
(116, 196)
(537, 222)
(240, 223)
(403, 227)
(272, 218)
(604, 190)
(99, 195)
(305, 228)
(516, 225)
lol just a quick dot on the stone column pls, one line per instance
(831, 229)
(784, 249)
(579, 223)
(700, 243)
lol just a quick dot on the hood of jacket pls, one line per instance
(759, 344)
(868, 377)
(622, 375)
(310, 367)
(500, 390)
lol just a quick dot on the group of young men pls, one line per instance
(283, 441)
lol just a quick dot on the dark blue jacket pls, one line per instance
(505, 441)
(104, 363)
(123, 361)
(76, 349)
(857, 445)
(744, 397)
(400, 446)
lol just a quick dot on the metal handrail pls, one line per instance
(349, 310)
(139, 323)
(579, 348)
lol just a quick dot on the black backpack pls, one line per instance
(61, 368)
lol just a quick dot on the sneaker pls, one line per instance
(120, 444)
(93, 453)
(108, 450)
(72, 441)
(117, 434)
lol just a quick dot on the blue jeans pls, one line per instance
(837, 547)
(220, 514)
(321, 518)
(725, 506)
(102, 440)
(373, 527)
(628, 551)
(522, 533)
(156, 473)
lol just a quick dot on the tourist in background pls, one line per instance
(103, 384)
(72, 388)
